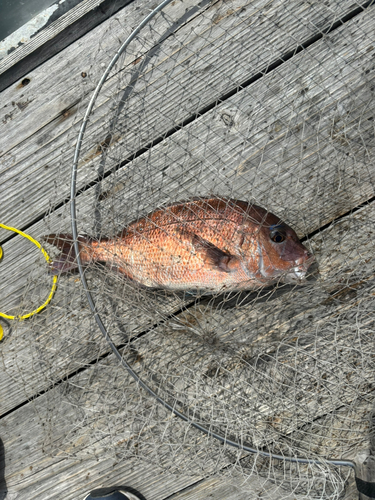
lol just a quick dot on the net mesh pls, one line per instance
(269, 102)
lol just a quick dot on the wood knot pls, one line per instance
(227, 119)
(24, 82)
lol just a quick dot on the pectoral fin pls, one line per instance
(212, 255)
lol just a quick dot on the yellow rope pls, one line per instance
(54, 281)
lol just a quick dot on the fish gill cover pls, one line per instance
(213, 104)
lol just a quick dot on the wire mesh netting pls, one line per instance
(267, 102)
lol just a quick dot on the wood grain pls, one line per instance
(61, 440)
(33, 474)
(267, 171)
(49, 32)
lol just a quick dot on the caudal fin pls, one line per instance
(67, 260)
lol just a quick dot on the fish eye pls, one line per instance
(277, 237)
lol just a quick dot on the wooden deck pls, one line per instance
(220, 98)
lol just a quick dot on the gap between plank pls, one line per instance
(66, 37)
(333, 221)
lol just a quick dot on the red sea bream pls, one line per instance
(208, 244)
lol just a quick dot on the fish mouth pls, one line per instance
(297, 274)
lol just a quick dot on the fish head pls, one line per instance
(281, 256)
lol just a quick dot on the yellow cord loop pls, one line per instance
(54, 280)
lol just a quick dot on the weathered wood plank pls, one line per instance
(66, 341)
(67, 324)
(31, 473)
(330, 431)
(216, 488)
(46, 150)
(49, 47)
(116, 190)
(229, 490)
(54, 427)
(248, 171)
(65, 71)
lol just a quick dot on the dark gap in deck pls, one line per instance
(333, 221)
(286, 57)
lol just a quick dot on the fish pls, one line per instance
(213, 245)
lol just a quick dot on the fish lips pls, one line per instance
(297, 274)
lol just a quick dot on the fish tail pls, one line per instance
(67, 260)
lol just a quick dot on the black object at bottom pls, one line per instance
(365, 487)
(114, 493)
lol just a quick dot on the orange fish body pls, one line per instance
(212, 245)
